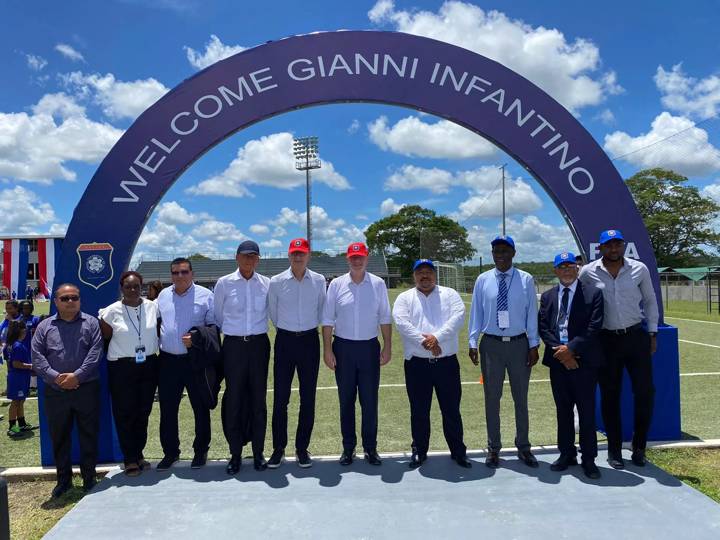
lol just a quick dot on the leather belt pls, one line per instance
(297, 334)
(131, 359)
(434, 360)
(623, 331)
(505, 339)
(246, 338)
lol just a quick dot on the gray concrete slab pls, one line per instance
(438, 500)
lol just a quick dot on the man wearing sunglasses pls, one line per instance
(66, 351)
(182, 306)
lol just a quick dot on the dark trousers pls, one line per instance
(422, 376)
(81, 407)
(357, 371)
(575, 387)
(132, 388)
(244, 403)
(175, 375)
(301, 353)
(632, 352)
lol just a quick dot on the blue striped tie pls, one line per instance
(502, 298)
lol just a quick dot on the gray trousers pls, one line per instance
(496, 357)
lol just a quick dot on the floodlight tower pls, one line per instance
(306, 158)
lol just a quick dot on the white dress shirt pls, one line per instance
(357, 309)
(571, 294)
(441, 313)
(131, 326)
(624, 295)
(241, 304)
(296, 305)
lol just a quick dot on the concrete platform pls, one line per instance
(391, 501)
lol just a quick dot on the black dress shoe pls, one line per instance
(463, 461)
(303, 459)
(638, 458)
(276, 459)
(372, 457)
(563, 462)
(234, 465)
(615, 461)
(89, 483)
(61, 488)
(590, 469)
(492, 460)
(259, 463)
(166, 463)
(416, 460)
(347, 457)
(527, 458)
(199, 460)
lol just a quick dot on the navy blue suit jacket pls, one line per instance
(584, 325)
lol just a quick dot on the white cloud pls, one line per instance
(220, 231)
(215, 50)
(23, 211)
(259, 229)
(688, 95)
(441, 140)
(712, 191)
(389, 206)
(362, 217)
(36, 147)
(519, 199)
(279, 231)
(607, 117)
(118, 99)
(266, 161)
(354, 127)
(684, 147)
(568, 70)
(412, 177)
(172, 213)
(271, 244)
(36, 62)
(68, 52)
(323, 226)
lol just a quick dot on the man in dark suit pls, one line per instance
(570, 320)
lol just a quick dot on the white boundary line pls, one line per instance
(692, 320)
(698, 343)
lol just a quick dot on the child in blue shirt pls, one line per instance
(18, 378)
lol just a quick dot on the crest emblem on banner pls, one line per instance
(95, 264)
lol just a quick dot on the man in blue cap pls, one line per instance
(504, 311)
(241, 311)
(570, 321)
(429, 318)
(630, 304)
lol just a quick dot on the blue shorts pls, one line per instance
(18, 386)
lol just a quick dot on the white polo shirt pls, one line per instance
(126, 323)
(296, 305)
(357, 309)
(441, 313)
(241, 304)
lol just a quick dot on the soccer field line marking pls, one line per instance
(692, 320)
(698, 343)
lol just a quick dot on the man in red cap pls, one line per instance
(356, 305)
(295, 304)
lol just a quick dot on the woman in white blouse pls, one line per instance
(131, 326)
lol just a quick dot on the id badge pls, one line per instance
(140, 354)
(563, 334)
(503, 319)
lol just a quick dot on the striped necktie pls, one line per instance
(502, 298)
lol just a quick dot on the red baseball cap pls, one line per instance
(299, 244)
(357, 249)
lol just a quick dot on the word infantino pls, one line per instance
(298, 71)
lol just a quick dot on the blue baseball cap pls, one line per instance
(503, 240)
(425, 262)
(610, 234)
(248, 247)
(564, 257)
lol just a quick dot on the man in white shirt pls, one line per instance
(242, 314)
(356, 305)
(296, 298)
(429, 318)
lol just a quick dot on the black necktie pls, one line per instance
(562, 317)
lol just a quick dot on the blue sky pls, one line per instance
(75, 75)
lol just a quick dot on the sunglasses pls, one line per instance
(69, 298)
(180, 272)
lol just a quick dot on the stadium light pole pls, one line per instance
(503, 197)
(305, 150)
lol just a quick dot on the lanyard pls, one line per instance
(137, 328)
(512, 276)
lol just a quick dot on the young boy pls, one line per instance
(18, 379)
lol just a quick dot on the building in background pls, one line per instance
(28, 264)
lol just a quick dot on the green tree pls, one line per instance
(198, 257)
(415, 232)
(677, 217)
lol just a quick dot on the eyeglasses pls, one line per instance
(69, 298)
(180, 272)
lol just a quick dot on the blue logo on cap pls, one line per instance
(610, 234)
(564, 258)
(421, 262)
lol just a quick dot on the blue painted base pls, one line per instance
(665, 424)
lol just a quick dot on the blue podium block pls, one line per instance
(108, 445)
(665, 424)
